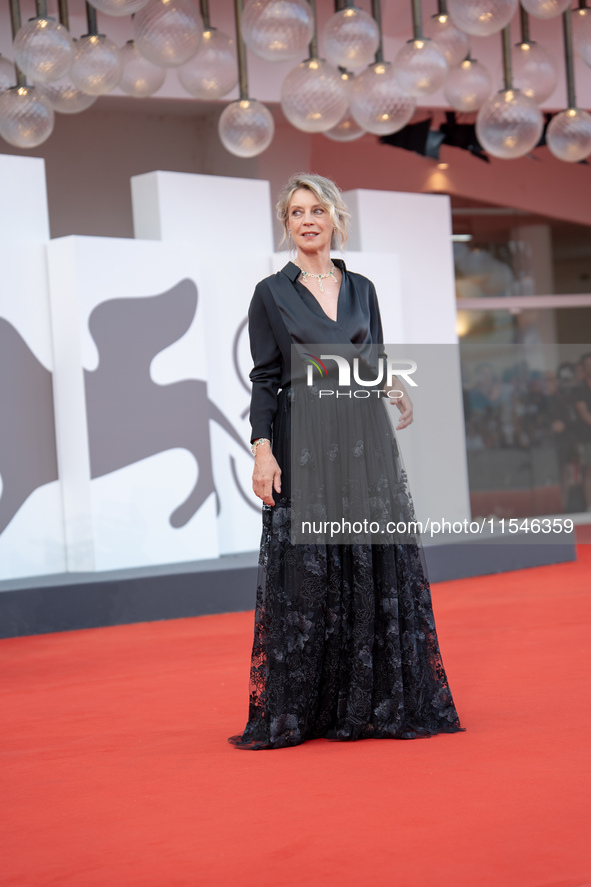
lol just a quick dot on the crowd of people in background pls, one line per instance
(521, 408)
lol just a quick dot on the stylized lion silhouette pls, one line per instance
(129, 415)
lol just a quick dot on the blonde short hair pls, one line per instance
(327, 193)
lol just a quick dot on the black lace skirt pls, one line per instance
(345, 645)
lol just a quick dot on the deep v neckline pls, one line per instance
(316, 302)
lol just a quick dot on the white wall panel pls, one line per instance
(128, 322)
(31, 517)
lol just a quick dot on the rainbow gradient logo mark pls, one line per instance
(313, 361)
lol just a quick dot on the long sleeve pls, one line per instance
(266, 372)
(377, 334)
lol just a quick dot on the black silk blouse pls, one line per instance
(283, 312)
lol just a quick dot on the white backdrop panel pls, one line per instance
(31, 517)
(417, 228)
(134, 503)
(128, 317)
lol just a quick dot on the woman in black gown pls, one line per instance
(345, 645)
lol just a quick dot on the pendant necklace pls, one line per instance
(318, 277)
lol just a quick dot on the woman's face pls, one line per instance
(309, 222)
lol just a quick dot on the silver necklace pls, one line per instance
(318, 277)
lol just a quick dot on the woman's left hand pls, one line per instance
(404, 404)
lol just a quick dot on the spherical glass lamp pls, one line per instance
(97, 64)
(26, 117)
(7, 74)
(168, 32)
(246, 128)
(420, 67)
(378, 103)
(314, 97)
(468, 86)
(212, 72)
(139, 77)
(545, 8)
(64, 97)
(580, 17)
(277, 30)
(534, 71)
(481, 17)
(118, 7)
(509, 124)
(583, 38)
(569, 135)
(43, 50)
(346, 130)
(351, 38)
(454, 43)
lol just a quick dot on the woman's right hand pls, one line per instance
(266, 475)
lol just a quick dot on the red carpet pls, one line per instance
(116, 769)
